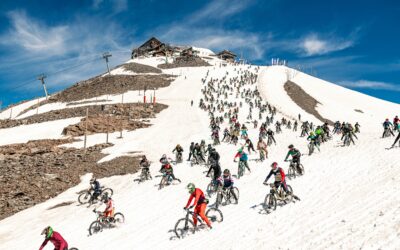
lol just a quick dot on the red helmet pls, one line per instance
(274, 165)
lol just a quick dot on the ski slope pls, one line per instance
(348, 195)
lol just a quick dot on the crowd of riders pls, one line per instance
(224, 112)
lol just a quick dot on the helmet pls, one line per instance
(311, 133)
(164, 156)
(240, 150)
(92, 180)
(387, 119)
(106, 198)
(209, 145)
(274, 165)
(227, 172)
(48, 232)
(144, 157)
(191, 187)
(291, 146)
(178, 146)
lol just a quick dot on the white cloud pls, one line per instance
(365, 84)
(219, 10)
(314, 45)
(33, 36)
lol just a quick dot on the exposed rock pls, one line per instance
(29, 177)
(140, 68)
(192, 62)
(304, 100)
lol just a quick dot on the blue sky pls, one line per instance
(352, 43)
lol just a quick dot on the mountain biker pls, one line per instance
(398, 136)
(249, 145)
(191, 150)
(396, 121)
(144, 164)
(262, 147)
(200, 204)
(295, 153)
(313, 139)
(109, 210)
(55, 238)
(387, 127)
(279, 177)
(178, 149)
(242, 158)
(214, 164)
(226, 182)
(270, 134)
(95, 186)
(357, 128)
(166, 167)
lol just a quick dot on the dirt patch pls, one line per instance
(107, 85)
(141, 68)
(194, 62)
(359, 110)
(102, 124)
(38, 170)
(128, 110)
(304, 100)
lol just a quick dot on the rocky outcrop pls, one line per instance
(141, 68)
(128, 110)
(192, 62)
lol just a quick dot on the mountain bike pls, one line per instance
(311, 146)
(275, 195)
(87, 196)
(227, 196)
(167, 179)
(241, 169)
(185, 226)
(105, 222)
(144, 175)
(346, 141)
(178, 157)
(295, 169)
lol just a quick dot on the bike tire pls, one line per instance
(289, 198)
(291, 172)
(301, 169)
(119, 218)
(232, 199)
(84, 197)
(211, 189)
(183, 228)
(73, 248)
(107, 191)
(270, 202)
(95, 227)
(162, 182)
(214, 215)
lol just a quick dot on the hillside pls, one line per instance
(348, 197)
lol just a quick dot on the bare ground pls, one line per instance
(128, 111)
(107, 85)
(304, 100)
(38, 170)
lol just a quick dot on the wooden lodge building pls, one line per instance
(227, 56)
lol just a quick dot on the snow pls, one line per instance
(348, 195)
(337, 103)
(13, 112)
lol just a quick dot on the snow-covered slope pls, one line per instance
(348, 195)
(337, 103)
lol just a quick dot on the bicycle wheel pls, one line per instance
(163, 182)
(289, 197)
(211, 189)
(214, 215)
(84, 197)
(270, 202)
(119, 218)
(234, 195)
(291, 172)
(184, 228)
(73, 248)
(107, 191)
(95, 227)
(301, 168)
(310, 149)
